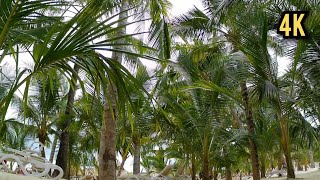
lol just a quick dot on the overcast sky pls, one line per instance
(181, 6)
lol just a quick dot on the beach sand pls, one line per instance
(313, 174)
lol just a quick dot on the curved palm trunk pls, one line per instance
(63, 154)
(136, 157)
(286, 147)
(251, 132)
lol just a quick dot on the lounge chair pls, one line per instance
(40, 167)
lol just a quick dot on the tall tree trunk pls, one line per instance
(236, 118)
(53, 148)
(205, 167)
(63, 154)
(42, 138)
(286, 146)
(251, 132)
(107, 150)
(136, 155)
(69, 162)
(193, 166)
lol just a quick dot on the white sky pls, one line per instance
(181, 6)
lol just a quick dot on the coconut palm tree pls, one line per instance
(223, 87)
(62, 157)
(201, 112)
(43, 108)
(71, 41)
(261, 71)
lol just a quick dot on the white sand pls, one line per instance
(311, 174)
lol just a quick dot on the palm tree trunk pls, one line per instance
(63, 155)
(205, 167)
(236, 118)
(193, 166)
(53, 148)
(286, 147)
(42, 138)
(107, 150)
(263, 166)
(67, 174)
(124, 159)
(251, 132)
(136, 156)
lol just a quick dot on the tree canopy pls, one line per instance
(74, 75)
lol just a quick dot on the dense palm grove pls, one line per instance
(74, 75)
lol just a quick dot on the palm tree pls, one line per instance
(223, 87)
(201, 112)
(58, 48)
(14, 133)
(43, 106)
(268, 136)
(107, 151)
(62, 157)
(233, 25)
(202, 25)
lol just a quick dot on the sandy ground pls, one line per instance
(313, 174)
